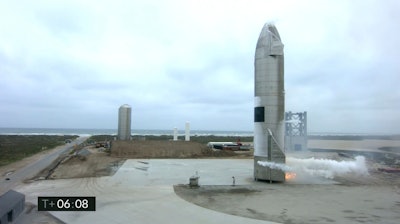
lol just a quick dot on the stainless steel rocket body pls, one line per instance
(269, 106)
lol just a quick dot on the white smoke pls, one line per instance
(276, 166)
(326, 168)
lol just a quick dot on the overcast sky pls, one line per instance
(71, 64)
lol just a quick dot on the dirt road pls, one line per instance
(94, 163)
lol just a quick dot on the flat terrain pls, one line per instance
(87, 162)
(21, 171)
(348, 197)
(16, 147)
(131, 189)
(165, 149)
(366, 145)
(144, 190)
(95, 162)
(293, 203)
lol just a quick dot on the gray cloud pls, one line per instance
(73, 63)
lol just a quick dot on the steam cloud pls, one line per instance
(276, 166)
(320, 167)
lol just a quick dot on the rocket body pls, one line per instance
(269, 104)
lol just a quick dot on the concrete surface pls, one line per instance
(142, 191)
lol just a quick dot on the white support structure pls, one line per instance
(296, 131)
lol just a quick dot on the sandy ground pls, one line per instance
(168, 149)
(94, 163)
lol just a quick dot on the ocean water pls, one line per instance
(88, 132)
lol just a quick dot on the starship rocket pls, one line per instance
(269, 105)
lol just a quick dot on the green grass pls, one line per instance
(17, 147)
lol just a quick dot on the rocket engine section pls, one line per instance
(269, 106)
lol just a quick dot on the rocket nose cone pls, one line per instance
(272, 29)
(269, 42)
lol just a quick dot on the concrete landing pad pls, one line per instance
(142, 191)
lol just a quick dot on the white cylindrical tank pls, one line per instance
(124, 122)
(187, 131)
(175, 134)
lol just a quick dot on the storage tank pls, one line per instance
(187, 131)
(124, 122)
